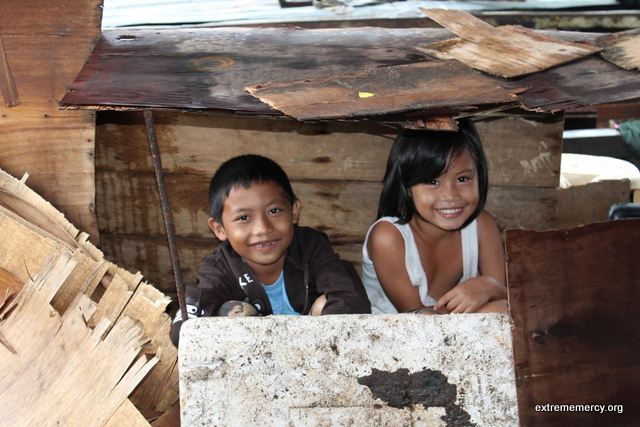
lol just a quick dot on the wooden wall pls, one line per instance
(45, 44)
(335, 170)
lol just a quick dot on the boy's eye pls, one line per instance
(242, 218)
(274, 210)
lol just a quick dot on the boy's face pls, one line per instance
(258, 222)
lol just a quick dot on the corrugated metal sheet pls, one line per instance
(254, 12)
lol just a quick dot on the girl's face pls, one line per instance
(449, 200)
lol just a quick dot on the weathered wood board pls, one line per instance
(573, 296)
(590, 81)
(622, 49)
(208, 69)
(46, 44)
(507, 51)
(589, 203)
(384, 90)
(522, 149)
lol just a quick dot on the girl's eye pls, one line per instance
(433, 182)
(242, 218)
(463, 179)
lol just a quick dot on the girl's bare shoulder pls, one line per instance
(385, 234)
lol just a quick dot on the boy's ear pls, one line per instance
(297, 207)
(218, 229)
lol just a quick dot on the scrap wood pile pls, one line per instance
(84, 342)
(483, 65)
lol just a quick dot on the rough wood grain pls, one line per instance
(207, 69)
(79, 375)
(622, 49)
(565, 87)
(506, 51)
(46, 43)
(573, 296)
(107, 288)
(385, 90)
(522, 149)
(8, 87)
(589, 203)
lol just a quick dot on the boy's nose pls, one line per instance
(262, 225)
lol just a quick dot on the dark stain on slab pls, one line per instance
(428, 387)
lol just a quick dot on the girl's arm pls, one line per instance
(386, 250)
(472, 294)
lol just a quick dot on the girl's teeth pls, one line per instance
(449, 211)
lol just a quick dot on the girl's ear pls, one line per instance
(218, 229)
(297, 207)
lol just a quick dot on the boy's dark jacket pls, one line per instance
(311, 268)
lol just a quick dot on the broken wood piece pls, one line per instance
(622, 49)
(63, 372)
(385, 90)
(506, 51)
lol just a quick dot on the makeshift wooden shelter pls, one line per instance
(193, 91)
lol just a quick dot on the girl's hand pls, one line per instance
(470, 295)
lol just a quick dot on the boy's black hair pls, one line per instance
(245, 170)
(420, 156)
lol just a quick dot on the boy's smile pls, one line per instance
(258, 222)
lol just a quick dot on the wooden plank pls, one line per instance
(565, 87)
(46, 43)
(209, 68)
(522, 149)
(50, 17)
(199, 144)
(589, 203)
(572, 295)
(622, 49)
(385, 90)
(507, 51)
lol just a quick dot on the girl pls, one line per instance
(433, 248)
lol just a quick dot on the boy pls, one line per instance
(266, 263)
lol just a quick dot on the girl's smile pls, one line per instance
(449, 200)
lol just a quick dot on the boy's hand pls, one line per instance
(470, 295)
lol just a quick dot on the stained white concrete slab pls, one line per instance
(348, 370)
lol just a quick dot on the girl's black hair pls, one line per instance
(420, 156)
(245, 170)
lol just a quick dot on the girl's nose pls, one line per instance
(450, 192)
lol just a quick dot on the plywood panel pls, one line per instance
(573, 296)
